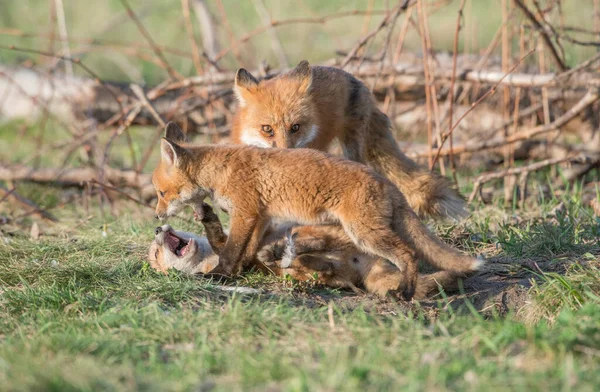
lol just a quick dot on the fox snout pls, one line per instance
(161, 210)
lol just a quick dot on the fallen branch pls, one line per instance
(37, 210)
(522, 171)
(590, 97)
(79, 177)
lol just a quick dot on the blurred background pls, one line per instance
(493, 94)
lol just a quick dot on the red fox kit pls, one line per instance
(323, 253)
(311, 106)
(257, 185)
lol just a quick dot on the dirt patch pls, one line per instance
(502, 287)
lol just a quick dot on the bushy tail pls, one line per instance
(426, 192)
(428, 247)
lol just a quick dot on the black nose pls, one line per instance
(156, 216)
(157, 230)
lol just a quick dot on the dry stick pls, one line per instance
(487, 177)
(62, 28)
(118, 131)
(275, 23)
(545, 36)
(27, 203)
(547, 26)
(52, 33)
(367, 18)
(78, 177)
(509, 182)
(474, 105)
(433, 94)
(203, 15)
(185, 7)
(517, 105)
(467, 74)
(103, 186)
(596, 31)
(428, 97)
(148, 38)
(451, 92)
(363, 41)
(589, 98)
(392, 78)
(545, 101)
(139, 92)
(6, 195)
(232, 38)
(262, 12)
(385, 47)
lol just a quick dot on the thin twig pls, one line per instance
(588, 99)
(452, 87)
(139, 92)
(62, 28)
(474, 105)
(278, 49)
(185, 7)
(545, 36)
(513, 171)
(363, 41)
(27, 203)
(157, 51)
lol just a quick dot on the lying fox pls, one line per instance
(324, 253)
(311, 106)
(257, 186)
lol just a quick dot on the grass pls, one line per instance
(81, 310)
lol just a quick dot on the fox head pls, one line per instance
(278, 112)
(180, 250)
(171, 178)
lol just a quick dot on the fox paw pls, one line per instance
(271, 253)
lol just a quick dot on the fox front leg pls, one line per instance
(242, 243)
(213, 228)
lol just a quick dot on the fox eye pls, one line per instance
(295, 128)
(267, 130)
(162, 194)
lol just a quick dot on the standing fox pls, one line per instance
(258, 185)
(311, 106)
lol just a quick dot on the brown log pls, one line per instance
(80, 177)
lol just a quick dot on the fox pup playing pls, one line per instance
(311, 106)
(257, 185)
(302, 252)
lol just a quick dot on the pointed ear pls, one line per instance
(244, 82)
(304, 74)
(171, 153)
(174, 133)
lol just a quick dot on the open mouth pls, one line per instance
(177, 245)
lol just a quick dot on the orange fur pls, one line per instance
(303, 186)
(311, 106)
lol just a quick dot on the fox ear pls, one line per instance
(174, 133)
(304, 74)
(171, 153)
(244, 81)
